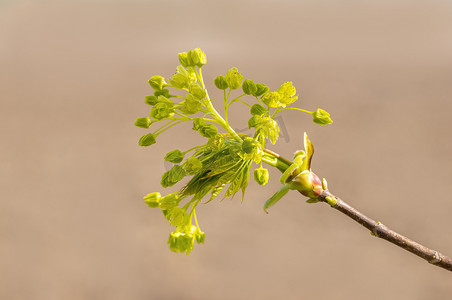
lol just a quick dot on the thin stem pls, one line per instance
(226, 106)
(161, 127)
(157, 134)
(196, 219)
(237, 100)
(196, 147)
(260, 101)
(376, 228)
(274, 159)
(215, 114)
(296, 108)
(379, 230)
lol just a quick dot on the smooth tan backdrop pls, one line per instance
(73, 75)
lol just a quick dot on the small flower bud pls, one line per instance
(249, 87)
(198, 123)
(174, 156)
(152, 199)
(192, 165)
(181, 242)
(308, 184)
(157, 82)
(261, 176)
(321, 117)
(261, 89)
(198, 57)
(220, 82)
(162, 92)
(287, 92)
(249, 145)
(200, 237)
(234, 78)
(147, 140)
(144, 122)
(183, 59)
(197, 91)
(271, 99)
(162, 110)
(150, 100)
(216, 142)
(191, 105)
(258, 110)
(208, 131)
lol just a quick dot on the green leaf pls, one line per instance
(276, 197)
(309, 147)
(168, 202)
(171, 177)
(192, 165)
(177, 216)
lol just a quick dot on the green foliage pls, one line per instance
(221, 165)
(173, 176)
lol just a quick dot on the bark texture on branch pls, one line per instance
(383, 232)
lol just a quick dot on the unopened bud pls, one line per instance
(249, 87)
(234, 78)
(321, 117)
(261, 176)
(308, 184)
(152, 200)
(220, 82)
(157, 82)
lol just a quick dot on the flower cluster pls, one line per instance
(224, 161)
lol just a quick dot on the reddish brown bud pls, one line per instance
(308, 184)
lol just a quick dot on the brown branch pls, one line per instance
(381, 231)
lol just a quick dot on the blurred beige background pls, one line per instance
(73, 77)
